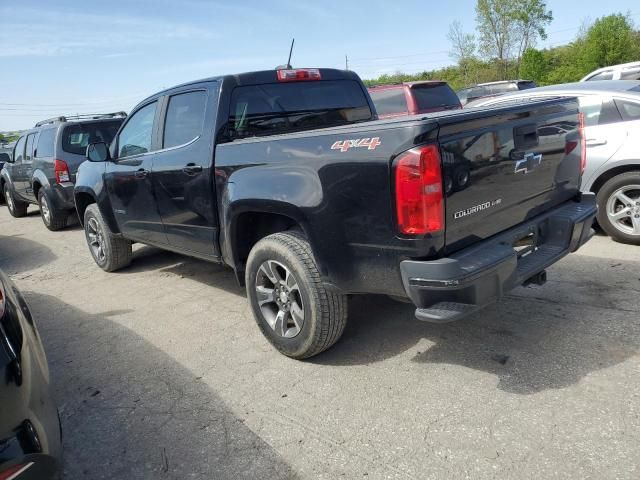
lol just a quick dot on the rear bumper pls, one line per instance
(450, 288)
(62, 196)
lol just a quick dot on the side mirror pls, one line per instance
(98, 152)
(5, 158)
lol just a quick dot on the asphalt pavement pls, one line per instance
(160, 372)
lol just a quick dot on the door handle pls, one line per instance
(594, 142)
(192, 169)
(142, 173)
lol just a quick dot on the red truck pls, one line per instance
(410, 98)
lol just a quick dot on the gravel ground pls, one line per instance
(160, 372)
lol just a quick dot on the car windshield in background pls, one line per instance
(77, 136)
(389, 101)
(287, 107)
(437, 96)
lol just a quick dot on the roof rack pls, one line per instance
(88, 116)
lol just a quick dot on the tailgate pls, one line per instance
(506, 165)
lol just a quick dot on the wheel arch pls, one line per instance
(248, 227)
(83, 197)
(604, 177)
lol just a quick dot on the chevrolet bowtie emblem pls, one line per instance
(529, 162)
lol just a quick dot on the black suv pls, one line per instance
(45, 161)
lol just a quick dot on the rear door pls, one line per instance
(497, 173)
(182, 170)
(128, 177)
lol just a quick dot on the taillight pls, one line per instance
(61, 170)
(583, 143)
(419, 198)
(2, 300)
(298, 75)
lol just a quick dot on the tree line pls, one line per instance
(503, 47)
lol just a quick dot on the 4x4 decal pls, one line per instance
(344, 145)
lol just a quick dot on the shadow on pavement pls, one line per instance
(132, 411)
(531, 341)
(148, 258)
(19, 254)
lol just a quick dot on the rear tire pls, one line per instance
(16, 207)
(290, 304)
(619, 208)
(52, 218)
(110, 252)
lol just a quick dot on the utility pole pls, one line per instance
(346, 62)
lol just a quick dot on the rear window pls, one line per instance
(601, 76)
(277, 108)
(389, 101)
(77, 136)
(437, 96)
(526, 85)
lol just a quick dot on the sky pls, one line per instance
(81, 56)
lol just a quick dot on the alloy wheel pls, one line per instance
(96, 240)
(279, 299)
(623, 209)
(46, 212)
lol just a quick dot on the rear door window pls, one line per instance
(389, 101)
(436, 96)
(45, 143)
(28, 153)
(628, 110)
(77, 136)
(185, 116)
(276, 108)
(631, 74)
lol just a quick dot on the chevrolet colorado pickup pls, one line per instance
(288, 177)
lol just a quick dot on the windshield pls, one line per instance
(77, 136)
(276, 108)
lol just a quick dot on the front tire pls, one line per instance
(110, 252)
(16, 207)
(52, 218)
(290, 304)
(619, 208)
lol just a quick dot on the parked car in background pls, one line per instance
(624, 71)
(611, 112)
(44, 164)
(410, 98)
(492, 89)
(6, 149)
(30, 443)
(287, 177)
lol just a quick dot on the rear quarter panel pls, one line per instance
(341, 199)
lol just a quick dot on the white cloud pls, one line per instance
(49, 33)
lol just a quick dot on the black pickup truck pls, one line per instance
(288, 177)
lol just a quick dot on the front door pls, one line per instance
(128, 178)
(182, 174)
(26, 187)
(18, 177)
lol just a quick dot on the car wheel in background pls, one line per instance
(52, 218)
(292, 307)
(619, 207)
(109, 251)
(16, 207)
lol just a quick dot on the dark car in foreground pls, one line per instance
(493, 89)
(45, 159)
(30, 443)
(287, 177)
(413, 98)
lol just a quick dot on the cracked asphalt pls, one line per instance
(160, 372)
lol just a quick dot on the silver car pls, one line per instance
(612, 129)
